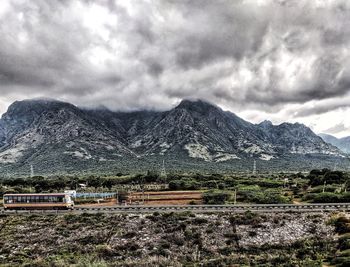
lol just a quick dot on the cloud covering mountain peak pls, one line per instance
(284, 60)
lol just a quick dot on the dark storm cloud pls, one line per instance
(327, 81)
(34, 51)
(217, 30)
(245, 54)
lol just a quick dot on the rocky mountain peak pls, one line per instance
(198, 106)
(35, 107)
(265, 124)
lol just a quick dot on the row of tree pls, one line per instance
(326, 176)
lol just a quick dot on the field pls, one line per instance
(174, 239)
(166, 197)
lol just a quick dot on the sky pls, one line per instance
(278, 60)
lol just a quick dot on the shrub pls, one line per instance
(130, 235)
(319, 177)
(345, 253)
(327, 188)
(164, 244)
(178, 240)
(216, 197)
(342, 225)
(192, 202)
(344, 241)
(341, 261)
(252, 233)
(247, 218)
(184, 184)
(104, 251)
(257, 195)
(199, 221)
(326, 198)
(345, 198)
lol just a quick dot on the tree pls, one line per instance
(216, 197)
(94, 181)
(108, 183)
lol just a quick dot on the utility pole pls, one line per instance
(31, 171)
(143, 191)
(235, 198)
(254, 167)
(163, 171)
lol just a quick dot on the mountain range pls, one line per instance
(342, 143)
(58, 137)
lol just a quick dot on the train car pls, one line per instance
(53, 201)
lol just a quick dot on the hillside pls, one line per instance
(59, 137)
(342, 143)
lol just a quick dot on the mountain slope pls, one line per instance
(342, 143)
(31, 125)
(296, 138)
(50, 133)
(202, 129)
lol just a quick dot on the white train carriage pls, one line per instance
(53, 201)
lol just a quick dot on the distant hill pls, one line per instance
(59, 137)
(342, 143)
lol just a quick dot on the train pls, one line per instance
(52, 201)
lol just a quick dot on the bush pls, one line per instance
(104, 251)
(345, 198)
(130, 234)
(199, 220)
(344, 242)
(327, 188)
(345, 253)
(319, 177)
(247, 218)
(342, 225)
(216, 197)
(326, 198)
(184, 184)
(341, 261)
(257, 195)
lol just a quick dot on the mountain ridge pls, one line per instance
(195, 131)
(342, 143)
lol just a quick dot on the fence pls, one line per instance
(95, 195)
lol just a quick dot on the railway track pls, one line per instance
(345, 207)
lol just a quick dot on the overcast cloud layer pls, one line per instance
(279, 60)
